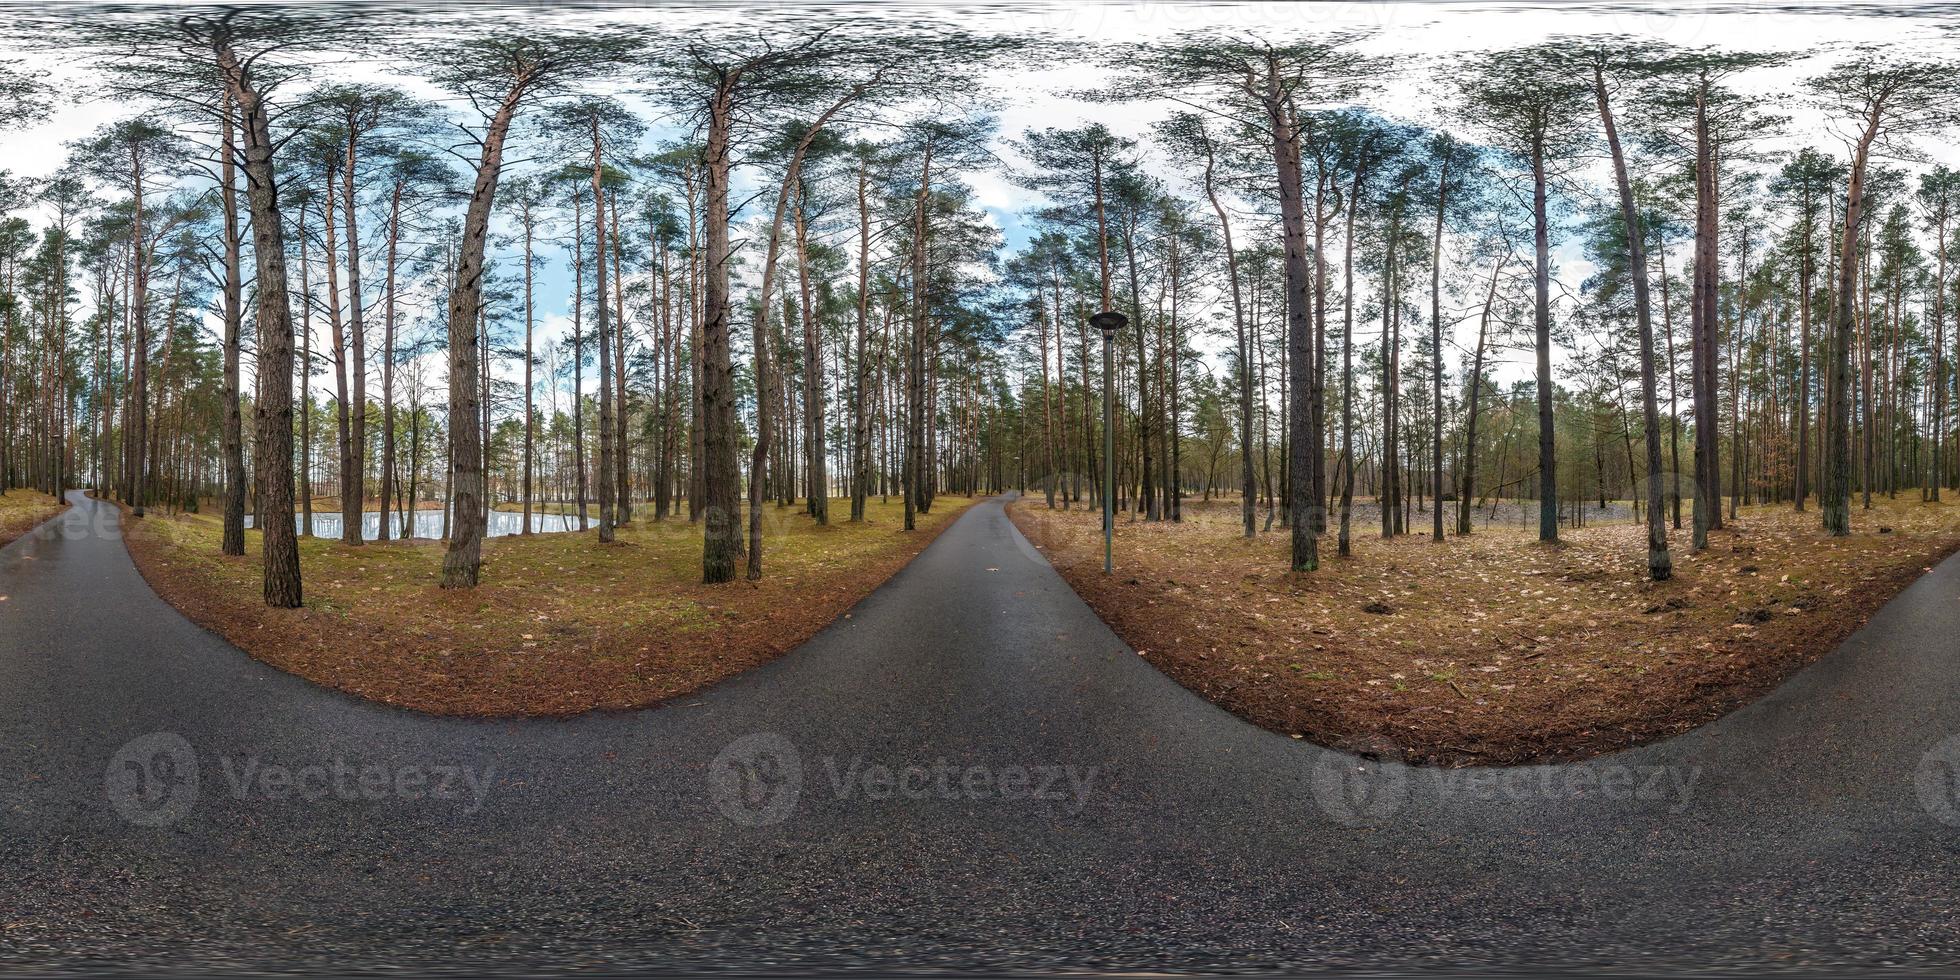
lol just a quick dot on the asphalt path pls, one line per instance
(969, 771)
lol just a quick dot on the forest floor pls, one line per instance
(559, 625)
(22, 511)
(1490, 649)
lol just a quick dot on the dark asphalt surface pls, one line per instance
(1799, 833)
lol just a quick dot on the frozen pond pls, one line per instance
(428, 523)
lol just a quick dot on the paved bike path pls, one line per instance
(970, 770)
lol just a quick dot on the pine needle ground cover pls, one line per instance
(1492, 648)
(559, 625)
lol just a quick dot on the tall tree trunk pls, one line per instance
(530, 318)
(1174, 465)
(696, 345)
(664, 358)
(273, 409)
(1702, 328)
(1542, 320)
(388, 365)
(1305, 555)
(1315, 433)
(1836, 502)
(305, 376)
(1248, 489)
(622, 455)
(791, 175)
(1048, 462)
(7, 327)
(1390, 497)
(861, 402)
(1472, 391)
(1936, 376)
(1436, 349)
(721, 476)
(765, 395)
(608, 502)
(813, 401)
(1146, 496)
(1660, 566)
(355, 487)
(139, 315)
(1345, 544)
(234, 426)
(915, 402)
(463, 562)
(578, 358)
(350, 510)
(1673, 394)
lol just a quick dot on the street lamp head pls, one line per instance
(1109, 321)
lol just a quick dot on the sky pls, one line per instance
(1417, 37)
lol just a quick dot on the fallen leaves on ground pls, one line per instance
(559, 624)
(1490, 648)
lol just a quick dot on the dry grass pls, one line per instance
(23, 510)
(1491, 648)
(559, 624)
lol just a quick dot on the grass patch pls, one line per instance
(22, 511)
(1490, 649)
(559, 625)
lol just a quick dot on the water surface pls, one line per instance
(428, 524)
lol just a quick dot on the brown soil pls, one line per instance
(1490, 649)
(559, 625)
